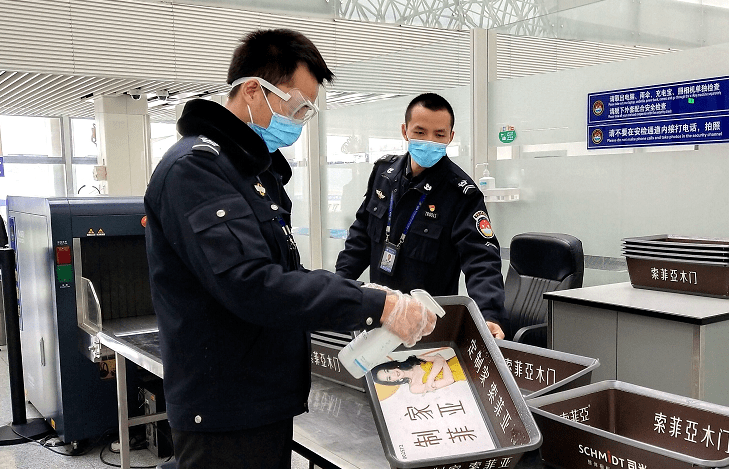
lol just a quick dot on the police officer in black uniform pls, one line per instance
(424, 220)
(234, 305)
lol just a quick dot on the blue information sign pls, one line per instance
(2, 167)
(671, 114)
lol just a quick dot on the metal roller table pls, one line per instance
(337, 432)
(137, 341)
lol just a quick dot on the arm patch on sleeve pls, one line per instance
(483, 224)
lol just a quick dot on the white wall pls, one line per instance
(604, 196)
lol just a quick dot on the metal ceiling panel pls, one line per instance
(55, 54)
(123, 38)
(42, 94)
(518, 56)
(79, 48)
(36, 35)
(205, 39)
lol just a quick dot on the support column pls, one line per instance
(67, 153)
(480, 75)
(317, 160)
(60, 184)
(124, 144)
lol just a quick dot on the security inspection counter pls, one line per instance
(338, 431)
(670, 342)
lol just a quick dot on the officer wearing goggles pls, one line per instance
(233, 303)
(293, 110)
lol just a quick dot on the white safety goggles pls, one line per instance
(294, 104)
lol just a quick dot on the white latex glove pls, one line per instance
(406, 317)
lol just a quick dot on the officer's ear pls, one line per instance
(453, 134)
(249, 91)
(404, 129)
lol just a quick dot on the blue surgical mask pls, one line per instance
(281, 131)
(426, 153)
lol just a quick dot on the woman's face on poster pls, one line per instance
(389, 376)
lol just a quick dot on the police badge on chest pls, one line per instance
(431, 213)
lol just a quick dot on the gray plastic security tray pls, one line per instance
(428, 430)
(540, 371)
(620, 425)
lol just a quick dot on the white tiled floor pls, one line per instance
(32, 456)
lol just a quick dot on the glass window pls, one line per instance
(83, 136)
(30, 136)
(31, 180)
(164, 135)
(380, 147)
(298, 190)
(85, 153)
(83, 180)
(352, 133)
(31, 150)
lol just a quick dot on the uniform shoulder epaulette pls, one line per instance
(386, 159)
(465, 185)
(205, 144)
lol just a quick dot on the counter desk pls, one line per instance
(670, 342)
(338, 431)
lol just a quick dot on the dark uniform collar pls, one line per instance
(409, 168)
(429, 178)
(246, 150)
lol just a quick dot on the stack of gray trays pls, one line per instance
(679, 263)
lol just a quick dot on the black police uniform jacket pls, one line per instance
(234, 306)
(451, 232)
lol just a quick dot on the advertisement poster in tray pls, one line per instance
(451, 399)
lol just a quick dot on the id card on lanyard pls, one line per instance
(391, 250)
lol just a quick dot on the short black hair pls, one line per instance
(274, 55)
(432, 101)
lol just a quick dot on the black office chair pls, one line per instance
(539, 263)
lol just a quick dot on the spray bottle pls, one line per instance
(370, 348)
